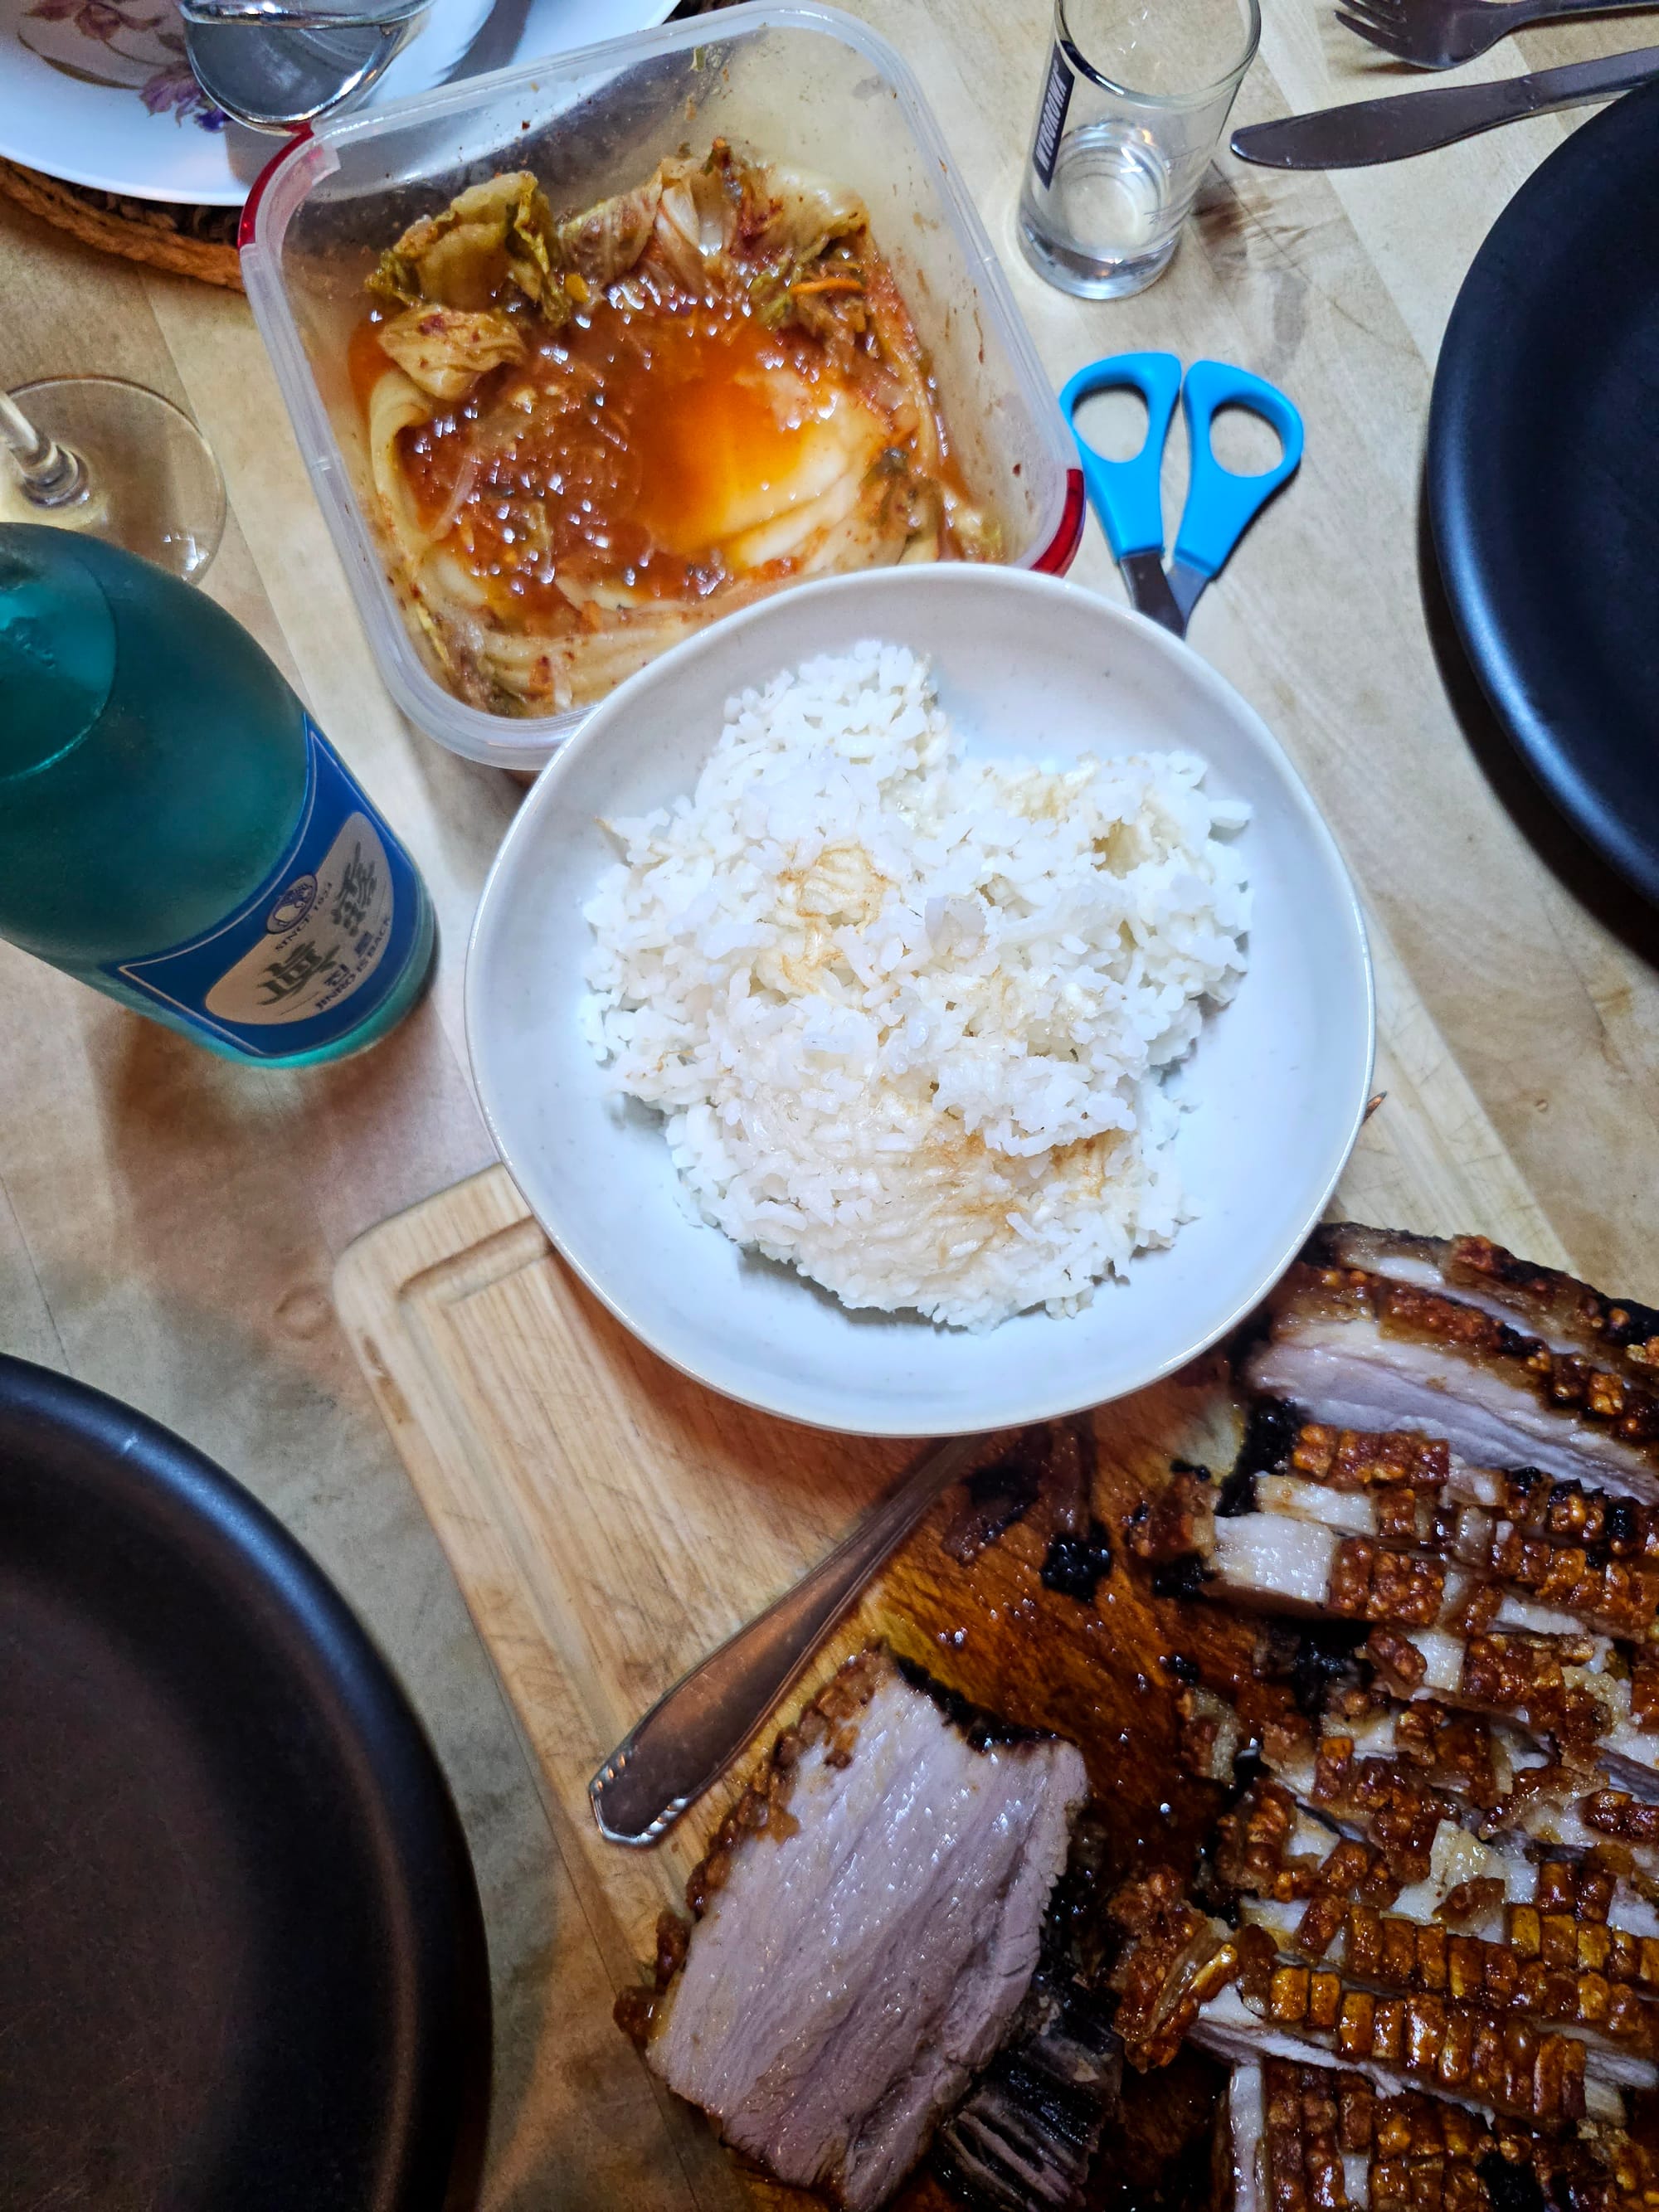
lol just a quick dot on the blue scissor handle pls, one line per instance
(1221, 505)
(1125, 494)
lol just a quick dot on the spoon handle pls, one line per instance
(695, 1729)
(305, 15)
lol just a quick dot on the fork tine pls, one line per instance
(1376, 35)
(1374, 12)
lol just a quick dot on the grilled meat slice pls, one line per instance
(1564, 1314)
(1359, 1350)
(1440, 1633)
(868, 1926)
(1313, 2137)
(1174, 1961)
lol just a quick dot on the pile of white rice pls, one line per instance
(906, 1013)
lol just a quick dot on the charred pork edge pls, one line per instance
(1363, 1351)
(1567, 1315)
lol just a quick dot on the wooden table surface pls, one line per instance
(169, 1224)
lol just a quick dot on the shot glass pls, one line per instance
(1137, 94)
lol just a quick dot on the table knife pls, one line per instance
(1368, 130)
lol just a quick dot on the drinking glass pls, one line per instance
(114, 459)
(1137, 94)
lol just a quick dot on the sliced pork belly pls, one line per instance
(1183, 1973)
(1292, 1562)
(1358, 1349)
(868, 1927)
(1386, 1526)
(1579, 1694)
(1446, 1798)
(1316, 2136)
(1500, 2069)
(1588, 1552)
(1485, 1929)
(1560, 1311)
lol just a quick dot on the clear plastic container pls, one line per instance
(803, 84)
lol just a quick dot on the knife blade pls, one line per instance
(1370, 131)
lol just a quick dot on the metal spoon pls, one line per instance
(697, 1729)
(273, 65)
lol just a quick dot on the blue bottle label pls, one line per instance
(317, 946)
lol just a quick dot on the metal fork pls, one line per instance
(1438, 34)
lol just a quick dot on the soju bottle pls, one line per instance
(174, 828)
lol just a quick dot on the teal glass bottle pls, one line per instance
(174, 828)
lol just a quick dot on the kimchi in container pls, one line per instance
(799, 93)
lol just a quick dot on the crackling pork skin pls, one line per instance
(1304, 2137)
(868, 1924)
(1360, 1349)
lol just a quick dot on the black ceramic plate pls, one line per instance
(1543, 477)
(241, 1959)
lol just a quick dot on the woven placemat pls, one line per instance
(191, 241)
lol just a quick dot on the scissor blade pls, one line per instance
(1149, 590)
(1185, 588)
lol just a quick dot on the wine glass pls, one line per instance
(115, 459)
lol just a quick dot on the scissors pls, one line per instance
(1221, 505)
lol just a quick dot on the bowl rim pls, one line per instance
(1015, 583)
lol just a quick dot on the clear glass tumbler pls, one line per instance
(1137, 94)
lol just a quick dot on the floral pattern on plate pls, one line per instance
(98, 92)
(141, 52)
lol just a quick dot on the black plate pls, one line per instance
(241, 1959)
(1543, 477)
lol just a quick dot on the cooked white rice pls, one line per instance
(906, 1013)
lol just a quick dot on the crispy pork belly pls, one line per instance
(1430, 1787)
(1363, 1351)
(1561, 1312)
(1316, 2137)
(1485, 1929)
(1580, 1694)
(1291, 1561)
(1182, 1974)
(868, 1926)
(1555, 1546)
(1502, 2071)
(1436, 1634)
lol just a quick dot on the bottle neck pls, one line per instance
(56, 649)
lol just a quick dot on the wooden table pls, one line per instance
(168, 1223)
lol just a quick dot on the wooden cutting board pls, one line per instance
(610, 1520)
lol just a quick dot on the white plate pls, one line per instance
(98, 92)
(1025, 664)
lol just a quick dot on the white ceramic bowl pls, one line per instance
(1025, 664)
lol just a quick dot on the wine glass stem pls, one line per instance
(52, 475)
